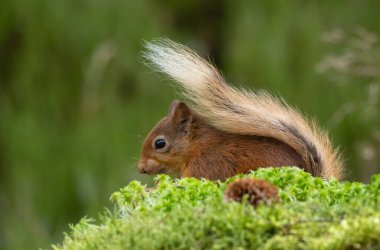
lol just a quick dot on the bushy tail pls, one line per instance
(241, 111)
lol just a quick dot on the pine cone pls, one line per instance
(258, 191)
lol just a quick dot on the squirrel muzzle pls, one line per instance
(150, 166)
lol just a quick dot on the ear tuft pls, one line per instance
(172, 108)
(181, 115)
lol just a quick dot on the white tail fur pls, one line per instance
(241, 111)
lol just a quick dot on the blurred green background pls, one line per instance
(76, 101)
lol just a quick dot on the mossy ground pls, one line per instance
(192, 214)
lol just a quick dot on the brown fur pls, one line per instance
(232, 130)
(206, 152)
(220, 155)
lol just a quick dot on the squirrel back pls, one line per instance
(239, 112)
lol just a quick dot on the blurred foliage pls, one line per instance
(76, 101)
(357, 63)
(193, 214)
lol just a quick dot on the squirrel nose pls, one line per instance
(141, 168)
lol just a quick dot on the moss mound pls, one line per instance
(193, 214)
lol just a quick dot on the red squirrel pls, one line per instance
(223, 131)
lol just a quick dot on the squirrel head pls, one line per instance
(165, 147)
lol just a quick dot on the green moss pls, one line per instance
(190, 213)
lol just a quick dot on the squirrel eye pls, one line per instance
(160, 143)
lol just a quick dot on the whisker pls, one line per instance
(133, 135)
(139, 137)
(133, 165)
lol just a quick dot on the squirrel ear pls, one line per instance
(181, 115)
(173, 107)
